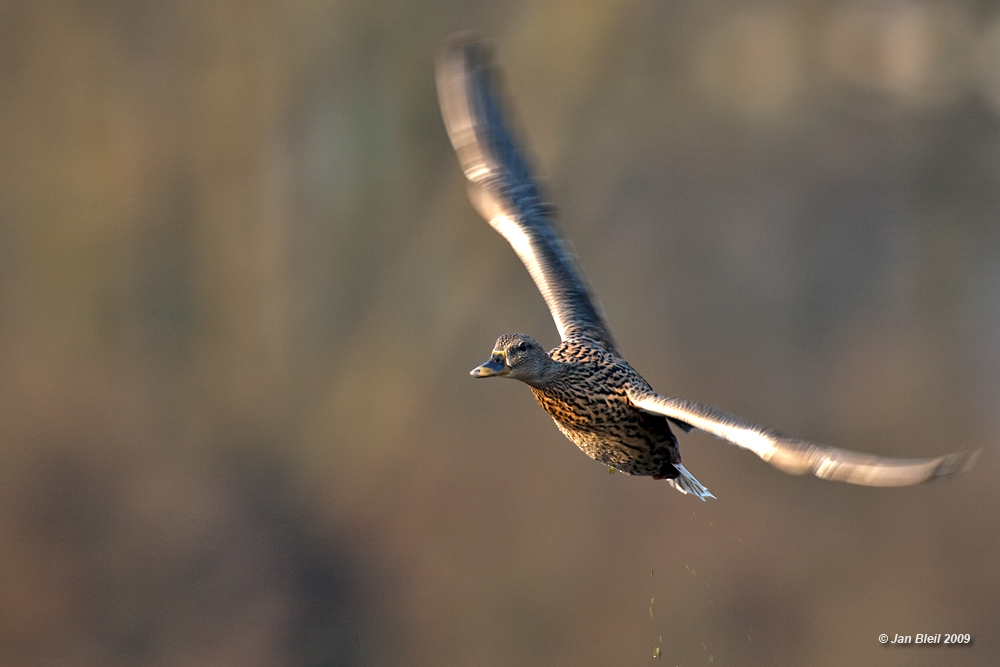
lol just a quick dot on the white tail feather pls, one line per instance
(686, 483)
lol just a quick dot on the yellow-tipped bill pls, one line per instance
(497, 365)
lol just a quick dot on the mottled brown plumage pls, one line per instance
(595, 397)
(584, 387)
(588, 402)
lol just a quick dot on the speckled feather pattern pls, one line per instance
(589, 404)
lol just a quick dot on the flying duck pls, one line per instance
(594, 396)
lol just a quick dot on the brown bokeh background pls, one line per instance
(241, 288)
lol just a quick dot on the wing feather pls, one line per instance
(502, 188)
(799, 457)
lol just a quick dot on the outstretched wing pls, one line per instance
(501, 186)
(799, 457)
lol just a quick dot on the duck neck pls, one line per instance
(550, 372)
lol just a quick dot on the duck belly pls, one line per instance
(632, 454)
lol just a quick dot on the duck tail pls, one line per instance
(686, 483)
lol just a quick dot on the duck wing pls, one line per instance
(799, 457)
(502, 188)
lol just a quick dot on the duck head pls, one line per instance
(520, 357)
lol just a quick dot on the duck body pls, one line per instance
(586, 389)
(588, 402)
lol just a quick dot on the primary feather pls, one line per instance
(502, 189)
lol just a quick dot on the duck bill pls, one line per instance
(491, 368)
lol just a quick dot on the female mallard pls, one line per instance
(595, 397)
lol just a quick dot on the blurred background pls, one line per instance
(241, 288)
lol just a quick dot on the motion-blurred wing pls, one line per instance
(799, 457)
(501, 186)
